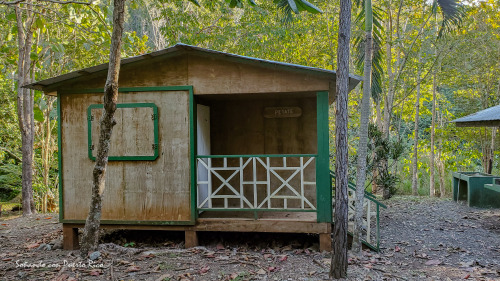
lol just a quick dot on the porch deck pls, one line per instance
(281, 216)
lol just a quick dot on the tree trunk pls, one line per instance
(432, 187)
(339, 257)
(25, 101)
(492, 150)
(46, 151)
(90, 237)
(363, 131)
(414, 179)
(374, 169)
(442, 189)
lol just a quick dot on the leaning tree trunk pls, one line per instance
(414, 178)
(363, 131)
(91, 231)
(339, 258)
(25, 101)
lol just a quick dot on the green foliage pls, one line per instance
(10, 181)
(129, 244)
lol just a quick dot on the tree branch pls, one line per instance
(15, 2)
(11, 154)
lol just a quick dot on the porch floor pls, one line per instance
(242, 215)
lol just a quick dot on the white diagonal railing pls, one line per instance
(256, 182)
(370, 234)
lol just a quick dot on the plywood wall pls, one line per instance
(239, 127)
(213, 76)
(135, 190)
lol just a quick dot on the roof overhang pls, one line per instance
(489, 117)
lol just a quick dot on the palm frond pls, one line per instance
(452, 11)
(286, 8)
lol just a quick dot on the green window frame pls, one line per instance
(154, 145)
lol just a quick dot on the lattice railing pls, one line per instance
(256, 182)
(370, 234)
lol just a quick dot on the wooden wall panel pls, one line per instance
(214, 76)
(135, 190)
(239, 127)
(147, 73)
(133, 134)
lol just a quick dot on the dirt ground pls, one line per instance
(422, 239)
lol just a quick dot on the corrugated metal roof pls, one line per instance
(489, 117)
(39, 85)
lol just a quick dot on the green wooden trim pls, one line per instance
(125, 158)
(59, 156)
(323, 188)
(192, 154)
(378, 227)
(255, 210)
(134, 222)
(129, 89)
(257, 155)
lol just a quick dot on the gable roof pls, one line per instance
(489, 117)
(180, 49)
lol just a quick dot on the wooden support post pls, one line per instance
(325, 242)
(70, 238)
(191, 238)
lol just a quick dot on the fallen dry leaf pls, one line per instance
(210, 255)
(283, 258)
(33, 245)
(95, 272)
(433, 262)
(261, 271)
(62, 277)
(204, 269)
(164, 277)
(132, 268)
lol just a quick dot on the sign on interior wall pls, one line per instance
(282, 112)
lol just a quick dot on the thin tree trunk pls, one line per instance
(432, 187)
(46, 151)
(363, 131)
(492, 150)
(391, 89)
(90, 237)
(25, 101)
(339, 257)
(442, 188)
(374, 169)
(414, 180)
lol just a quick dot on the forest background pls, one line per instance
(459, 73)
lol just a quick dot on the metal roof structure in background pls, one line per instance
(181, 49)
(489, 117)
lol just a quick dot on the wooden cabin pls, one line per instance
(204, 141)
